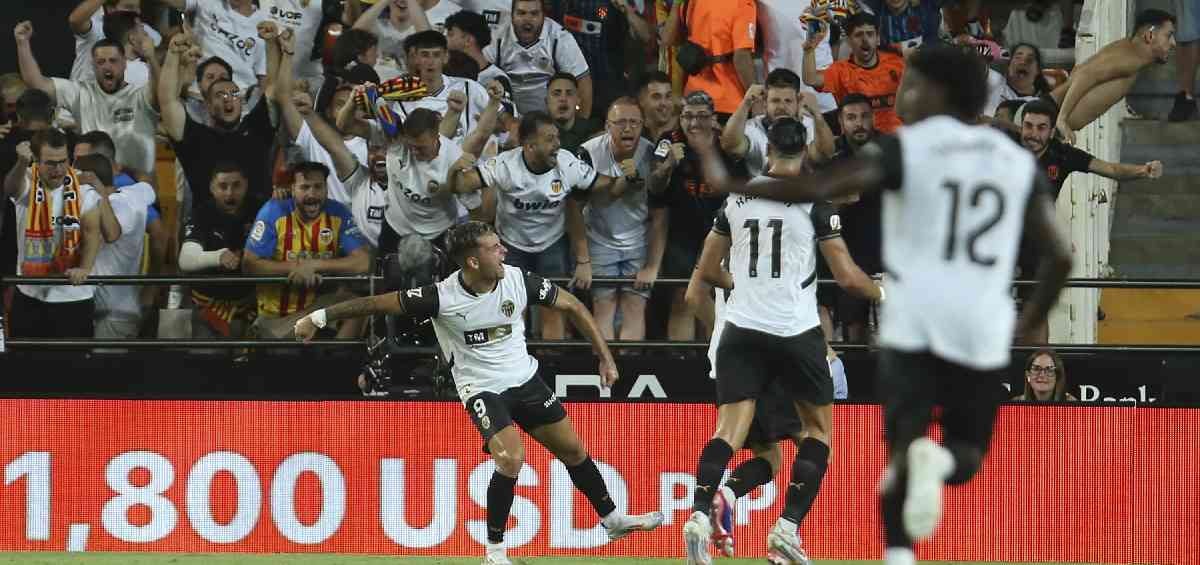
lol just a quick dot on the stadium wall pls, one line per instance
(1062, 484)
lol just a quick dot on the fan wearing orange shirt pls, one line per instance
(869, 71)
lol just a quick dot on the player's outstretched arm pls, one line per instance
(388, 303)
(1041, 229)
(582, 319)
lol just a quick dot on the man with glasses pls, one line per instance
(682, 214)
(617, 231)
(227, 136)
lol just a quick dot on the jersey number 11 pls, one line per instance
(776, 225)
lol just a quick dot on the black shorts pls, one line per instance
(749, 362)
(775, 418)
(530, 406)
(913, 383)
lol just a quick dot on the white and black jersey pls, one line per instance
(482, 336)
(620, 224)
(953, 212)
(530, 67)
(773, 261)
(418, 199)
(530, 212)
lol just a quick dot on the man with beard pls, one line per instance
(421, 163)
(1104, 79)
(562, 97)
(539, 216)
(747, 139)
(682, 214)
(617, 232)
(87, 23)
(212, 244)
(870, 70)
(302, 238)
(532, 50)
(58, 233)
(227, 136)
(658, 108)
(108, 103)
(1058, 160)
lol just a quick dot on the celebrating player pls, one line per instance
(478, 315)
(950, 236)
(775, 417)
(772, 335)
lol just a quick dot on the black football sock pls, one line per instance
(812, 458)
(748, 476)
(891, 506)
(713, 460)
(587, 479)
(499, 504)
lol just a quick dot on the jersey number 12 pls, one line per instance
(975, 200)
(776, 225)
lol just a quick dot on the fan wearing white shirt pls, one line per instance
(91, 24)
(428, 55)
(539, 216)
(123, 216)
(304, 18)
(393, 21)
(531, 50)
(128, 113)
(468, 33)
(747, 139)
(229, 29)
(783, 35)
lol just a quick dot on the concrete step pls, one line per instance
(1143, 269)
(1181, 249)
(1153, 226)
(1177, 145)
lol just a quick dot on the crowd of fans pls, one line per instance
(567, 124)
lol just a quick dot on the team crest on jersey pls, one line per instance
(507, 308)
(556, 187)
(326, 235)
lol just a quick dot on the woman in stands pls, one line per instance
(1045, 379)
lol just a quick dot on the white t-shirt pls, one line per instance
(368, 203)
(620, 224)
(1044, 33)
(61, 293)
(124, 256)
(773, 260)
(137, 72)
(497, 13)
(530, 212)
(950, 239)
(490, 73)
(996, 85)
(477, 100)
(312, 150)
(530, 67)
(125, 115)
(483, 335)
(225, 33)
(304, 17)
(756, 136)
(418, 201)
(784, 34)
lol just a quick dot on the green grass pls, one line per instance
(45, 558)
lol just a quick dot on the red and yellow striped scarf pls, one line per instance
(41, 258)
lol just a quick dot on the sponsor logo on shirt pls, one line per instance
(484, 336)
(287, 16)
(303, 255)
(507, 308)
(492, 17)
(260, 228)
(418, 198)
(533, 206)
(122, 115)
(545, 290)
(375, 213)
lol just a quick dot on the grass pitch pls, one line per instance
(45, 558)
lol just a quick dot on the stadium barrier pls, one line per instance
(1062, 484)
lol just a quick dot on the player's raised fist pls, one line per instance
(23, 31)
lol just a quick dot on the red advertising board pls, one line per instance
(1067, 484)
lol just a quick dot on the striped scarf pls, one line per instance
(41, 258)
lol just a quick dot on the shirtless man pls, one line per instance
(1101, 81)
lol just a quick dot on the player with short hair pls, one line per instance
(775, 417)
(950, 238)
(478, 315)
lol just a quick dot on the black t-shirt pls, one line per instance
(862, 220)
(249, 145)
(584, 129)
(691, 203)
(214, 230)
(1059, 161)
